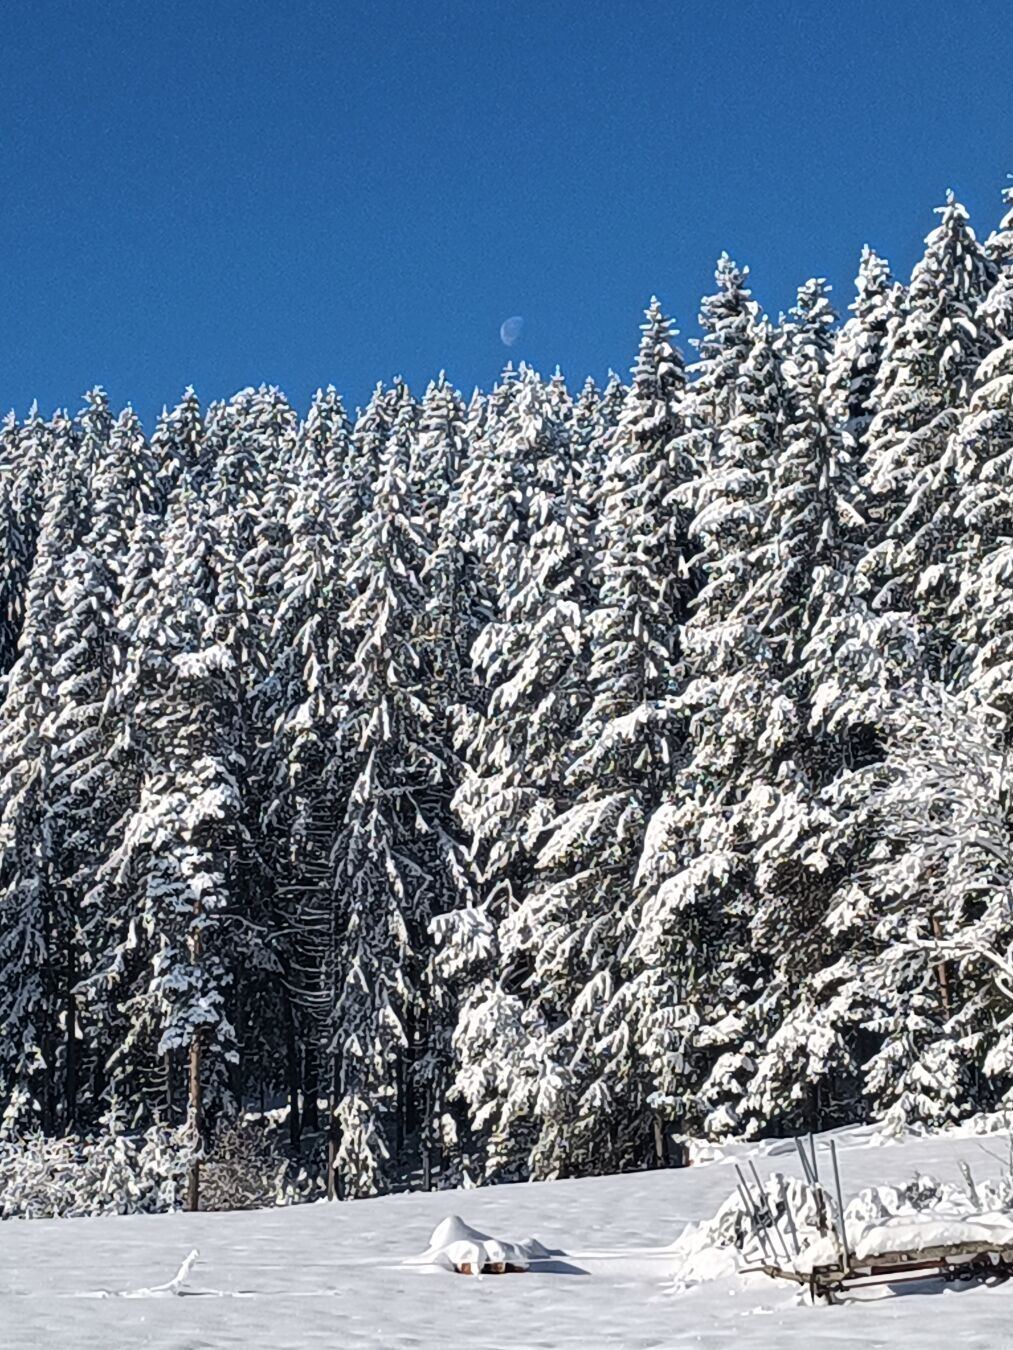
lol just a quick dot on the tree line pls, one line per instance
(509, 784)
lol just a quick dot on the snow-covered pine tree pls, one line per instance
(250, 490)
(438, 449)
(388, 858)
(35, 922)
(178, 444)
(929, 960)
(304, 806)
(979, 506)
(529, 539)
(728, 319)
(928, 362)
(86, 795)
(451, 619)
(697, 867)
(853, 373)
(24, 452)
(322, 447)
(116, 1073)
(168, 886)
(802, 593)
(596, 414)
(595, 1025)
(371, 433)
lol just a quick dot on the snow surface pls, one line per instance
(600, 1270)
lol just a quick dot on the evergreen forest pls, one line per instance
(510, 785)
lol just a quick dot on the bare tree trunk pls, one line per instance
(238, 1069)
(310, 1089)
(169, 1086)
(196, 1122)
(292, 1074)
(942, 976)
(70, 1018)
(196, 1110)
(332, 1133)
(399, 1111)
(660, 1143)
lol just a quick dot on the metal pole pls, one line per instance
(757, 1228)
(790, 1218)
(806, 1165)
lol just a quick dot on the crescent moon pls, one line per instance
(510, 330)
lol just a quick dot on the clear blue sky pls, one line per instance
(223, 192)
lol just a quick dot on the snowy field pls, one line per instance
(335, 1275)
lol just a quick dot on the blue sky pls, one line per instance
(223, 192)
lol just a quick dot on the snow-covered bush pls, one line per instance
(120, 1173)
(246, 1168)
(113, 1174)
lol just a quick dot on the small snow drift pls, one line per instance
(456, 1246)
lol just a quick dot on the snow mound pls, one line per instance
(455, 1244)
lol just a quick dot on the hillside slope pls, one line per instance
(334, 1274)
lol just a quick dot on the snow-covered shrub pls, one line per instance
(246, 1168)
(121, 1173)
(113, 1174)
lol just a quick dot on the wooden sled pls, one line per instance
(959, 1262)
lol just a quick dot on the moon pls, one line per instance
(510, 330)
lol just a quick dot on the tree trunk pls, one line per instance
(660, 1143)
(237, 1073)
(196, 1109)
(169, 1086)
(70, 1018)
(332, 1133)
(399, 1114)
(942, 976)
(310, 1111)
(292, 1074)
(196, 1122)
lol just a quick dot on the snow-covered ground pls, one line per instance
(343, 1275)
